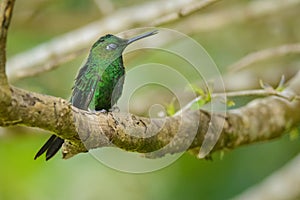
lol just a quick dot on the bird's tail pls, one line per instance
(51, 147)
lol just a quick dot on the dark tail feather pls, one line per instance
(45, 146)
(52, 145)
(53, 149)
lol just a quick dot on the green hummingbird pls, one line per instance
(99, 82)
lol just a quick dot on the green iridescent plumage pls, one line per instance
(98, 78)
(99, 82)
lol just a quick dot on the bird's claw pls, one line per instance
(97, 111)
(114, 109)
(102, 111)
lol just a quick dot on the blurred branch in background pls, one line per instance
(105, 6)
(247, 79)
(236, 14)
(183, 12)
(265, 54)
(31, 10)
(282, 184)
(66, 47)
(74, 41)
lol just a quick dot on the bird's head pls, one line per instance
(110, 47)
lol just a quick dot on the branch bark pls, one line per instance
(85, 130)
(6, 13)
(6, 9)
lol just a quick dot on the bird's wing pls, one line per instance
(84, 88)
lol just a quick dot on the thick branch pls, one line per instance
(83, 130)
(242, 126)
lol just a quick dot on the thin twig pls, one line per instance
(244, 93)
(258, 92)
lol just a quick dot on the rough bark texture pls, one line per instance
(6, 9)
(262, 119)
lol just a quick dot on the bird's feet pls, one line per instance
(98, 111)
(115, 109)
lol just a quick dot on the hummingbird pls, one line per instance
(99, 82)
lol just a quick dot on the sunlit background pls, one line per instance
(82, 177)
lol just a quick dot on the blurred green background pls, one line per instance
(83, 177)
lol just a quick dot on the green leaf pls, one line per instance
(170, 108)
(230, 103)
(222, 154)
(294, 134)
(201, 102)
(281, 86)
(199, 91)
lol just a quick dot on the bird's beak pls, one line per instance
(144, 35)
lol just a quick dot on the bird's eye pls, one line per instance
(111, 46)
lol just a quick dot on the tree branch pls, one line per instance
(245, 125)
(264, 55)
(6, 12)
(237, 14)
(282, 184)
(6, 9)
(76, 41)
(258, 92)
(84, 130)
(105, 6)
(185, 11)
(49, 55)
